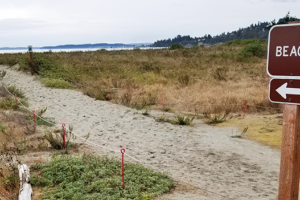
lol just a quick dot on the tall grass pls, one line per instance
(202, 78)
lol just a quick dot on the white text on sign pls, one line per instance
(287, 51)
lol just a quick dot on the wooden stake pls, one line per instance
(290, 152)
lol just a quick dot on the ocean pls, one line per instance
(72, 50)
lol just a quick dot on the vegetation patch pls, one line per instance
(90, 177)
(57, 83)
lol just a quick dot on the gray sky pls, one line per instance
(55, 22)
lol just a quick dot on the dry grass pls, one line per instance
(265, 129)
(203, 78)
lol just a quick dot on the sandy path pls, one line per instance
(202, 155)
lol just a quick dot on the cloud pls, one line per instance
(286, 1)
(15, 24)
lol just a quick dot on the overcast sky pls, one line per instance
(55, 22)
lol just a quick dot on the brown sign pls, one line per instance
(284, 50)
(285, 91)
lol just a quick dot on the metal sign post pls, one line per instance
(283, 64)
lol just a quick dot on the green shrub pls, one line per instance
(16, 91)
(56, 83)
(176, 46)
(90, 177)
(253, 50)
(43, 65)
(8, 103)
(9, 59)
(182, 120)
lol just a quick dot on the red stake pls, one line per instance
(123, 151)
(16, 99)
(63, 125)
(33, 112)
(162, 102)
(244, 110)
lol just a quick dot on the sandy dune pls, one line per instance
(201, 155)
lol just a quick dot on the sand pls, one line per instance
(201, 155)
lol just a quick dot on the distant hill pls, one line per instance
(98, 45)
(258, 30)
(81, 46)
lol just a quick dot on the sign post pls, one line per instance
(30, 53)
(283, 64)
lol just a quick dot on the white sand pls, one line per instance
(201, 155)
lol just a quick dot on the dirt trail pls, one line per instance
(201, 155)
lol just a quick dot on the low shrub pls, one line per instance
(57, 83)
(56, 139)
(217, 116)
(253, 50)
(182, 120)
(16, 91)
(8, 103)
(90, 177)
(176, 46)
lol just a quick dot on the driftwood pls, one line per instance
(25, 191)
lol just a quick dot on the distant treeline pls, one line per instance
(258, 30)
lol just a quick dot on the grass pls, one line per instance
(16, 91)
(265, 129)
(202, 78)
(183, 120)
(90, 177)
(8, 103)
(57, 83)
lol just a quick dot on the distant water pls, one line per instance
(72, 50)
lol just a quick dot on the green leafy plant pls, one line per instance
(90, 177)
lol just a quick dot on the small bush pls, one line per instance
(176, 46)
(56, 139)
(9, 59)
(217, 116)
(253, 50)
(16, 91)
(182, 120)
(8, 103)
(57, 83)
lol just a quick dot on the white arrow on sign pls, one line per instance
(283, 90)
